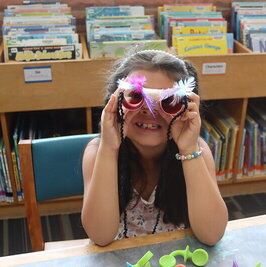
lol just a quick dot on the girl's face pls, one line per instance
(143, 128)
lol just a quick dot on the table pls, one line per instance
(244, 241)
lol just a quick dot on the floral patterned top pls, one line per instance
(142, 217)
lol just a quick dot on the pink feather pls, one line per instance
(137, 81)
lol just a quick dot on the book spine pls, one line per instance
(8, 180)
(16, 174)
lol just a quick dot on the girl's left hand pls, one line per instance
(186, 129)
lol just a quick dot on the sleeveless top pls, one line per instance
(142, 216)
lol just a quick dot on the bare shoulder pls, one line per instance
(92, 147)
(89, 157)
(94, 142)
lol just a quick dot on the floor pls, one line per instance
(14, 238)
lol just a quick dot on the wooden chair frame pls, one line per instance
(31, 205)
(35, 209)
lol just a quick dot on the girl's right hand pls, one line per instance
(109, 126)
(110, 130)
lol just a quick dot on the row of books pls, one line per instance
(6, 193)
(220, 130)
(112, 29)
(31, 2)
(192, 29)
(249, 24)
(48, 31)
(253, 147)
(36, 32)
(34, 125)
(195, 29)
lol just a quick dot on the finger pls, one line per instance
(177, 127)
(188, 115)
(192, 115)
(194, 98)
(115, 102)
(192, 106)
(108, 113)
(184, 117)
(116, 92)
(109, 104)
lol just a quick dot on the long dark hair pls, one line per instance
(170, 195)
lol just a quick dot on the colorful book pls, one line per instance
(187, 45)
(117, 49)
(103, 11)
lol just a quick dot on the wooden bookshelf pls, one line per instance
(52, 207)
(75, 84)
(80, 83)
(250, 185)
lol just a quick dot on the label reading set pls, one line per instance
(38, 74)
(213, 68)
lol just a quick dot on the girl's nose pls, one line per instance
(146, 111)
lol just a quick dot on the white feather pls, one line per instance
(124, 85)
(168, 92)
(187, 86)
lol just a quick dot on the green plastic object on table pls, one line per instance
(144, 261)
(167, 261)
(199, 256)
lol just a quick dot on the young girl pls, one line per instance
(150, 171)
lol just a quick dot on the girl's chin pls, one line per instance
(149, 142)
(147, 137)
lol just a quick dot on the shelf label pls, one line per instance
(213, 68)
(37, 74)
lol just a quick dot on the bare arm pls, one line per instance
(207, 211)
(100, 212)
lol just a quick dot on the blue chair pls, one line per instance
(51, 168)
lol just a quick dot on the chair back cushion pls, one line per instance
(57, 164)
